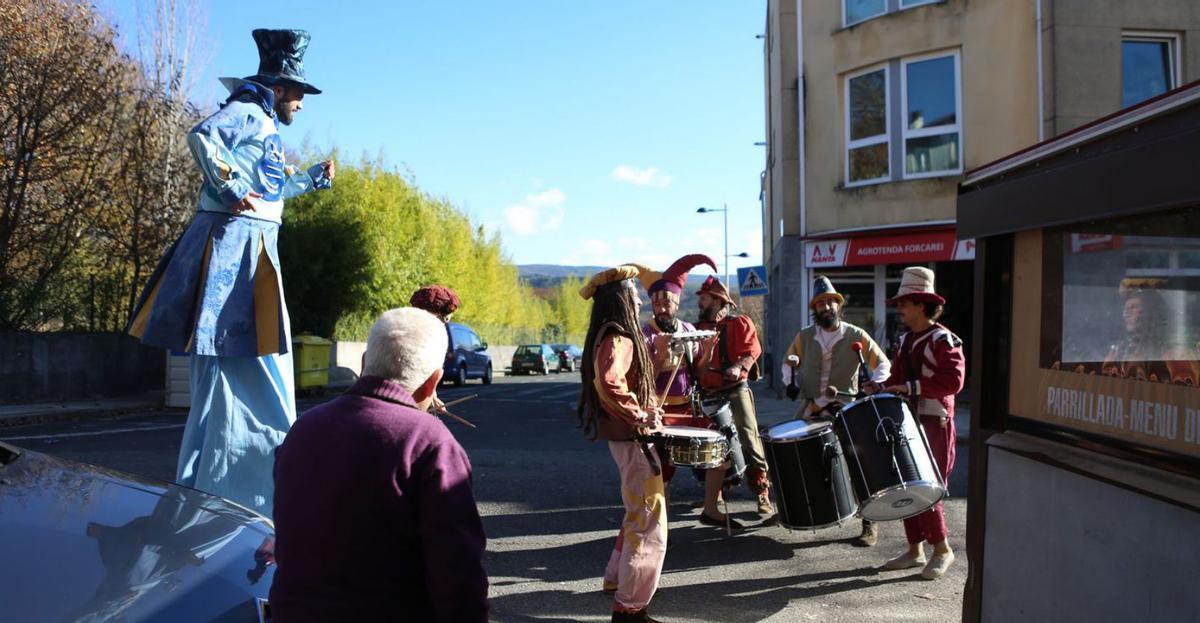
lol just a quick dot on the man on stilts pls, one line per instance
(217, 293)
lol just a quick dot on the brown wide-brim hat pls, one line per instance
(713, 287)
(917, 285)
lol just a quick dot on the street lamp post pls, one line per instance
(725, 213)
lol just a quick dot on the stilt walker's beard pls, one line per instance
(826, 320)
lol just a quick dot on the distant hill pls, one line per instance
(545, 276)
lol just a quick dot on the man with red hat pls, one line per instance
(675, 368)
(728, 363)
(929, 370)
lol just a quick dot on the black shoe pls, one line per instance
(633, 617)
(734, 524)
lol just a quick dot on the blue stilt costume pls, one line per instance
(217, 293)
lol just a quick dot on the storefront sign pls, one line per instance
(939, 246)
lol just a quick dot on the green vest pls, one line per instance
(843, 372)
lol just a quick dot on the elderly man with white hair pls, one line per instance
(375, 519)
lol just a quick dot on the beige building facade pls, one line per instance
(876, 108)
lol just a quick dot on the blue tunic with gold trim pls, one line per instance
(217, 294)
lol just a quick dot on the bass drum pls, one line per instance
(808, 473)
(890, 464)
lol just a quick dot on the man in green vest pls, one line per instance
(822, 369)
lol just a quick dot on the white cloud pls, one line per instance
(649, 176)
(537, 214)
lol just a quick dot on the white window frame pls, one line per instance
(846, 23)
(956, 128)
(1174, 48)
(885, 138)
(908, 4)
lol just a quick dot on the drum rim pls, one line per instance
(820, 527)
(865, 399)
(875, 497)
(828, 427)
(709, 434)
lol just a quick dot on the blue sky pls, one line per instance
(587, 132)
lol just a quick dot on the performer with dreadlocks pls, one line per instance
(617, 404)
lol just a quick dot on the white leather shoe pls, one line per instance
(904, 561)
(937, 566)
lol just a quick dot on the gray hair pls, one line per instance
(406, 345)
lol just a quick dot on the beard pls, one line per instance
(827, 320)
(708, 314)
(284, 115)
(667, 323)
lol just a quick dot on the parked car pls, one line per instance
(570, 357)
(85, 543)
(534, 358)
(466, 356)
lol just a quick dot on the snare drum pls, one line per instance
(808, 473)
(692, 447)
(890, 463)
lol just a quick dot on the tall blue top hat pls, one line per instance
(280, 59)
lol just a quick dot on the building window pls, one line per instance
(855, 11)
(868, 147)
(921, 136)
(858, 11)
(1149, 66)
(931, 101)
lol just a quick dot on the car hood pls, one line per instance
(84, 543)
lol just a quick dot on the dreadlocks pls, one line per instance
(614, 308)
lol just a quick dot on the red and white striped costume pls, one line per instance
(932, 366)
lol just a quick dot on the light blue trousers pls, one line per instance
(241, 409)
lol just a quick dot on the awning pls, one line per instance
(906, 248)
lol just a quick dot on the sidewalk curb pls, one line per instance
(69, 414)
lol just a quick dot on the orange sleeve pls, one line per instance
(614, 357)
(743, 340)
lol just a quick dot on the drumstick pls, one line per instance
(463, 399)
(443, 411)
(663, 399)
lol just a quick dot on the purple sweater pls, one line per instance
(374, 515)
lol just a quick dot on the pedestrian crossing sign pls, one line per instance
(752, 281)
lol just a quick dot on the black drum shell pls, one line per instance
(886, 451)
(722, 416)
(812, 485)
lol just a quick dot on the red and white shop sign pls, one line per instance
(1088, 243)
(941, 246)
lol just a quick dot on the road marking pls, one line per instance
(94, 433)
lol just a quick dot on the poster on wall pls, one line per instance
(1106, 331)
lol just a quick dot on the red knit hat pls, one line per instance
(435, 299)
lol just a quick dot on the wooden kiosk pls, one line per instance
(1085, 422)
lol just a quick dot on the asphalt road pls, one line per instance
(551, 508)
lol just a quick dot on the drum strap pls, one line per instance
(910, 373)
(650, 457)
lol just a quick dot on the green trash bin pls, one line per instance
(310, 359)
